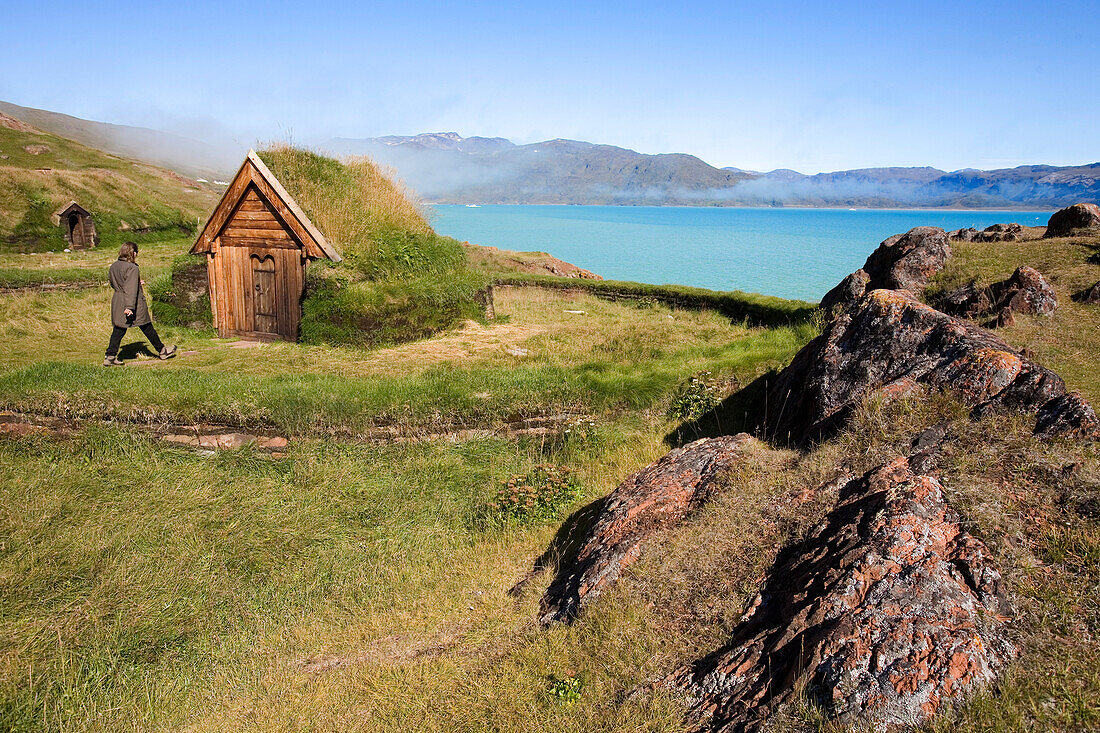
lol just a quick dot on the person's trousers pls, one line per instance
(147, 329)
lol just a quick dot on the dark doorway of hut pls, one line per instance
(76, 232)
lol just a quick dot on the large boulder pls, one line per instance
(903, 262)
(1027, 291)
(653, 499)
(849, 290)
(909, 261)
(886, 614)
(891, 339)
(1076, 219)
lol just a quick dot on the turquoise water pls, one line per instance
(792, 253)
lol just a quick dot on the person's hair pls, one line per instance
(128, 251)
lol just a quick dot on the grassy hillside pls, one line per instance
(184, 155)
(40, 172)
(351, 585)
(339, 549)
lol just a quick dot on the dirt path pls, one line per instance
(205, 437)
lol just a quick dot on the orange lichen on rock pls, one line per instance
(652, 499)
(886, 613)
(890, 341)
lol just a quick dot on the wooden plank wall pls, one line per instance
(255, 229)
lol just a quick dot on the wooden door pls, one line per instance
(265, 310)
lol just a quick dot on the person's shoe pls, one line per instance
(168, 352)
(112, 361)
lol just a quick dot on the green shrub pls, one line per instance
(539, 496)
(694, 398)
(567, 688)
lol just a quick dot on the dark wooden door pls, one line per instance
(264, 302)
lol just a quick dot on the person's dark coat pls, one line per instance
(126, 281)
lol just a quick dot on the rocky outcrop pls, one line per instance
(1000, 233)
(1026, 291)
(902, 262)
(849, 290)
(968, 301)
(890, 338)
(886, 614)
(653, 499)
(1076, 219)
(995, 233)
(963, 235)
(1089, 295)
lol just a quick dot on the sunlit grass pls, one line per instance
(541, 358)
(1068, 341)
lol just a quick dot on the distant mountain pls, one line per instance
(445, 167)
(193, 158)
(448, 168)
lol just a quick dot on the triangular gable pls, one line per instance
(253, 173)
(66, 209)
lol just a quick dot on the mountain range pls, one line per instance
(448, 168)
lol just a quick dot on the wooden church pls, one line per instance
(258, 243)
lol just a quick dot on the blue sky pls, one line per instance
(809, 86)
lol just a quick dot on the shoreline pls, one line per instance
(765, 208)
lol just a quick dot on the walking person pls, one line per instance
(128, 306)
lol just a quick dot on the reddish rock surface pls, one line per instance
(902, 262)
(1076, 219)
(889, 336)
(654, 498)
(885, 614)
(1027, 291)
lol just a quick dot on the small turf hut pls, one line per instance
(77, 226)
(257, 244)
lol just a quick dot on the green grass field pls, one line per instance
(349, 584)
